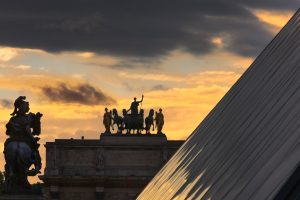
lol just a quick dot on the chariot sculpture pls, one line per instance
(133, 119)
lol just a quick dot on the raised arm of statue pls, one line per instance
(141, 99)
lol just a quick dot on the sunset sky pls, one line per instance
(73, 60)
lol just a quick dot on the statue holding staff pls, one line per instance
(134, 107)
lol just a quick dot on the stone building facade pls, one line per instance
(116, 167)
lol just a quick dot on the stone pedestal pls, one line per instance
(21, 197)
(116, 167)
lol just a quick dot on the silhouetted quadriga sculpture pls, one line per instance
(133, 121)
(21, 148)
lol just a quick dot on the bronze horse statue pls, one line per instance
(118, 120)
(133, 122)
(21, 148)
(149, 121)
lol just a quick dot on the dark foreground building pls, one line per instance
(116, 167)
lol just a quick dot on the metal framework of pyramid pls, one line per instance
(248, 146)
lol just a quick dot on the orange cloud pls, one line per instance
(86, 55)
(217, 41)
(275, 18)
(7, 53)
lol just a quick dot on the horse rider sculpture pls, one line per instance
(21, 148)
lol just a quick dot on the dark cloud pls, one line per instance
(143, 29)
(82, 94)
(5, 103)
(159, 87)
(269, 4)
(134, 63)
(137, 88)
(129, 63)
